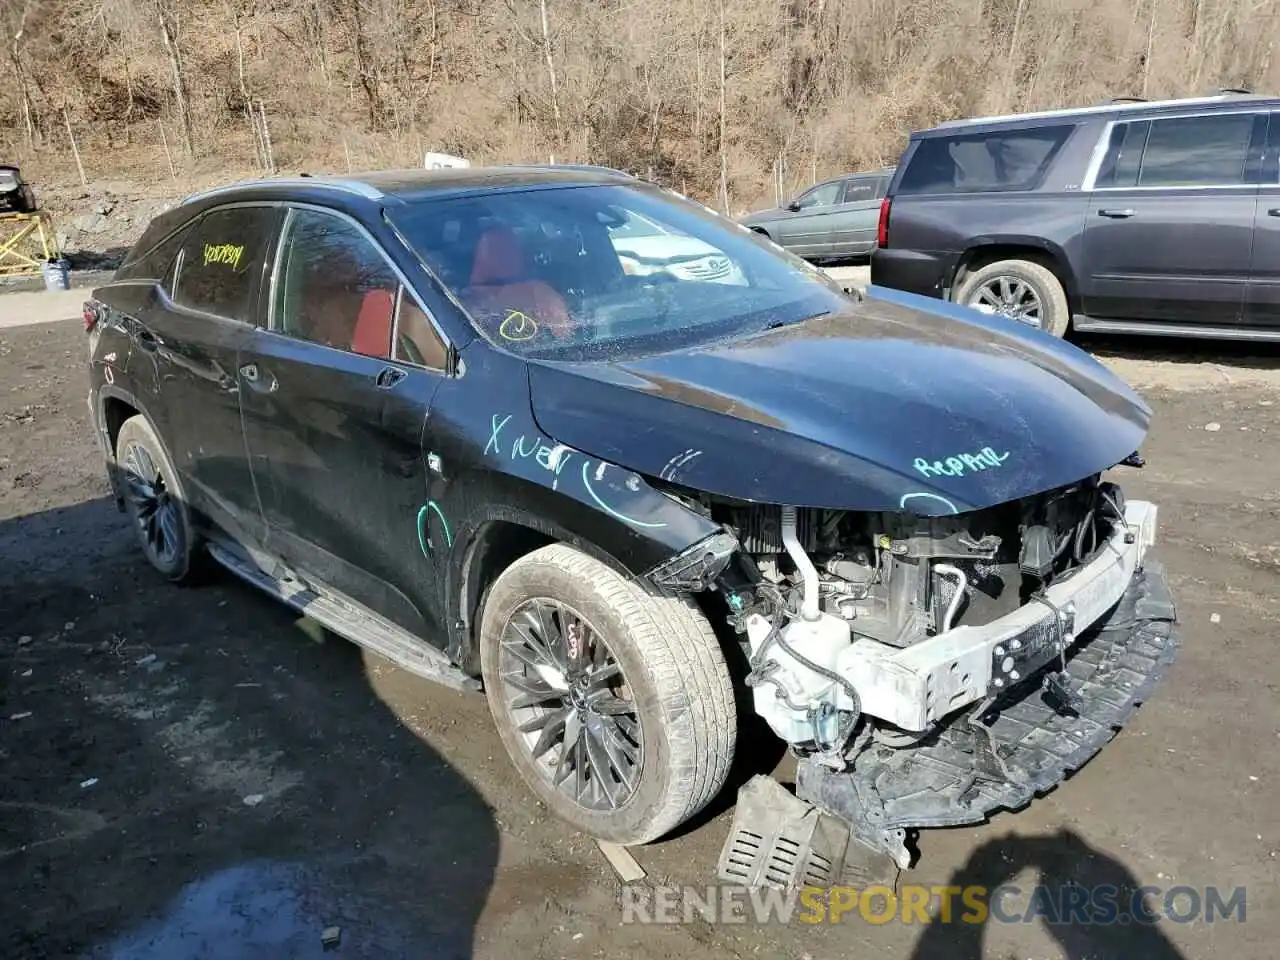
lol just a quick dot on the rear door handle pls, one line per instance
(405, 467)
(1274, 212)
(1116, 214)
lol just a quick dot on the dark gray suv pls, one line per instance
(1129, 217)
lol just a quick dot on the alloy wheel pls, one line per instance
(153, 506)
(1011, 297)
(575, 714)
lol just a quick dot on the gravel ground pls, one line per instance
(194, 772)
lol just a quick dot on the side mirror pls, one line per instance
(793, 206)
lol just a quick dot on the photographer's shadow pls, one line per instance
(1062, 860)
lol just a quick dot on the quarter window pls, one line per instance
(1197, 151)
(981, 162)
(157, 263)
(417, 340)
(222, 260)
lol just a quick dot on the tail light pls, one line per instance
(882, 228)
(90, 314)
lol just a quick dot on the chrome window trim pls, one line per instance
(1104, 144)
(292, 208)
(1102, 109)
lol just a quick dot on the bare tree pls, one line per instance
(166, 19)
(738, 100)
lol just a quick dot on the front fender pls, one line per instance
(483, 515)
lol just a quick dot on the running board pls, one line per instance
(1200, 331)
(362, 627)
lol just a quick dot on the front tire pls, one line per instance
(1021, 290)
(611, 696)
(154, 500)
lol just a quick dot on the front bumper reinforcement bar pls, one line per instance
(1007, 751)
(999, 756)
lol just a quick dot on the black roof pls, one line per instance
(415, 182)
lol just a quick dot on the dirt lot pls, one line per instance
(192, 773)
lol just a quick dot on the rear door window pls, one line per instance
(1001, 160)
(863, 188)
(222, 261)
(1197, 151)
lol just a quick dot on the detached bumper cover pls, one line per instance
(1020, 746)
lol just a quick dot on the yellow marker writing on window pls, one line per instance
(228, 253)
(518, 326)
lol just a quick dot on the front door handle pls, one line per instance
(1274, 212)
(257, 379)
(388, 377)
(1116, 214)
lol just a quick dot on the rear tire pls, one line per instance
(154, 500)
(656, 664)
(1009, 287)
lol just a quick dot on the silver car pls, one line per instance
(832, 220)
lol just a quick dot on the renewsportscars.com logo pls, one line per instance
(1068, 904)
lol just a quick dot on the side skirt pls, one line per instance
(361, 626)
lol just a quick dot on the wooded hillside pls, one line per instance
(710, 96)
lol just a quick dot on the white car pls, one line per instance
(646, 248)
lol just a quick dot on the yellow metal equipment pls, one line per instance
(26, 241)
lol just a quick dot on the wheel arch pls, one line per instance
(991, 250)
(115, 406)
(489, 544)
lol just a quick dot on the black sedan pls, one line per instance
(446, 415)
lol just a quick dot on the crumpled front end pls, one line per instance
(1009, 749)
(928, 671)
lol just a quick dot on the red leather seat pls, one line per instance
(501, 285)
(374, 323)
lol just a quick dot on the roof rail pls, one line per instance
(1126, 99)
(584, 167)
(1119, 103)
(306, 180)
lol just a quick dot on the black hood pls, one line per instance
(899, 402)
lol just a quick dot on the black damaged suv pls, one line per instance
(460, 418)
(1129, 217)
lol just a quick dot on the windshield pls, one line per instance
(599, 272)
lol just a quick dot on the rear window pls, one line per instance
(1002, 160)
